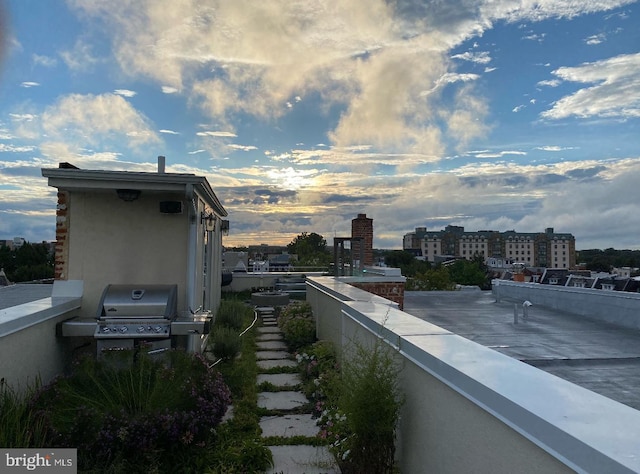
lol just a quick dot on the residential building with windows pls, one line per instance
(536, 249)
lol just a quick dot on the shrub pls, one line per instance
(226, 342)
(297, 309)
(231, 313)
(299, 332)
(367, 411)
(297, 324)
(151, 415)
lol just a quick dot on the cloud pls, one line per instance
(124, 92)
(16, 149)
(29, 84)
(233, 146)
(169, 90)
(616, 93)
(372, 61)
(595, 39)
(480, 57)
(549, 83)
(45, 61)
(93, 119)
(499, 154)
(22, 117)
(216, 134)
(80, 58)
(554, 148)
(168, 132)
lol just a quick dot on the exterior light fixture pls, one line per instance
(128, 194)
(209, 220)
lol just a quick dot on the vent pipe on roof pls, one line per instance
(161, 160)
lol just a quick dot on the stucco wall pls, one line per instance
(113, 241)
(471, 409)
(30, 347)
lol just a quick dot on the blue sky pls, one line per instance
(302, 114)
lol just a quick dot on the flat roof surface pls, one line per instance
(14, 295)
(597, 355)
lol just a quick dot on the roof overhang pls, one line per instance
(70, 179)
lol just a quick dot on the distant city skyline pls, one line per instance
(489, 115)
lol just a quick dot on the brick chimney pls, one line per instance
(362, 227)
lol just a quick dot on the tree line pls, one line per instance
(28, 262)
(605, 260)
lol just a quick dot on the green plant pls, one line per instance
(232, 313)
(226, 342)
(299, 332)
(238, 449)
(20, 426)
(297, 324)
(295, 310)
(367, 410)
(149, 414)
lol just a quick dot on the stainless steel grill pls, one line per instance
(138, 312)
(130, 315)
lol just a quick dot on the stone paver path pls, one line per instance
(291, 459)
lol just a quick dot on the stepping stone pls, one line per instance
(270, 336)
(302, 459)
(273, 363)
(279, 380)
(228, 415)
(267, 355)
(269, 330)
(289, 426)
(281, 400)
(270, 324)
(272, 345)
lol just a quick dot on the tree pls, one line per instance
(464, 272)
(27, 262)
(311, 249)
(399, 258)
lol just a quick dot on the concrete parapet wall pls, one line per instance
(471, 409)
(616, 307)
(31, 348)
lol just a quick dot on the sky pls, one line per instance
(488, 114)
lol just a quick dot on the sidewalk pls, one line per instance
(288, 422)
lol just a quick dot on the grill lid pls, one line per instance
(136, 301)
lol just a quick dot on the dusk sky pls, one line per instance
(492, 115)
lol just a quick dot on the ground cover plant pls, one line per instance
(152, 414)
(239, 448)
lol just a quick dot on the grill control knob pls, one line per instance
(140, 329)
(106, 329)
(158, 329)
(124, 329)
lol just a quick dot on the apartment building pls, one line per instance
(537, 249)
